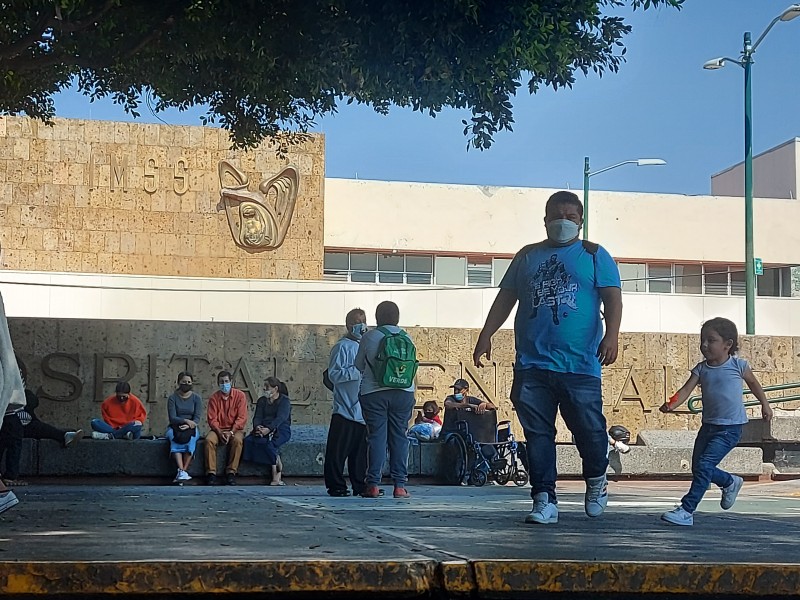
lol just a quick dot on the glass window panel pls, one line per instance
(451, 270)
(479, 272)
(738, 287)
(499, 268)
(660, 278)
(633, 277)
(419, 264)
(391, 262)
(362, 277)
(769, 284)
(688, 279)
(363, 261)
(384, 277)
(716, 280)
(339, 261)
(419, 278)
(329, 275)
(786, 281)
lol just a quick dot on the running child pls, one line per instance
(720, 377)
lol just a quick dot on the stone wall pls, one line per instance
(74, 364)
(110, 197)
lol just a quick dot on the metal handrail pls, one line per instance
(693, 400)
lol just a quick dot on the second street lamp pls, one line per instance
(746, 62)
(587, 173)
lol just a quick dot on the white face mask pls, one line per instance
(562, 231)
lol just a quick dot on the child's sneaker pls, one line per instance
(678, 516)
(544, 512)
(729, 493)
(96, 435)
(7, 500)
(71, 437)
(596, 498)
(129, 435)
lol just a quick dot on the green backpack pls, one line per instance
(396, 362)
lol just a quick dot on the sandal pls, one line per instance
(277, 482)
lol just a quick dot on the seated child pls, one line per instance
(428, 423)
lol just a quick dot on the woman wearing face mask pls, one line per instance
(184, 413)
(272, 428)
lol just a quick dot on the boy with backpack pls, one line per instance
(387, 359)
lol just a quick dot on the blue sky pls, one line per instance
(661, 104)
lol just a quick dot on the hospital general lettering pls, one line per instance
(63, 370)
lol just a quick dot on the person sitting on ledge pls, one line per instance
(183, 408)
(272, 428)
(123, 416)
(227, 418)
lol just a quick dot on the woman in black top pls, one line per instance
(271, 428)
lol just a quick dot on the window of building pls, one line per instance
(479, 272)
(716, 280)
(659, 278)
(450, 270)
(688, 279)
(336, 266)
(633, 277)
(776, 281)
(738, 286)
(419, 269)
(499, 268)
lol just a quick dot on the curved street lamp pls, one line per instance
(587, 173)
(746, 62)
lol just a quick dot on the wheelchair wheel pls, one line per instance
(521, 477)
(502, 477)
(478, 478)
(454, 465)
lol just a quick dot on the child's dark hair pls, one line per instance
(726, 329)
(431, 403)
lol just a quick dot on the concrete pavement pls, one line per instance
(111, 539)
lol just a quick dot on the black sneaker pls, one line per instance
(230, 479)
(339, 493)
(211, 479)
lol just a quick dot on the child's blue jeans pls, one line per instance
(712, 445)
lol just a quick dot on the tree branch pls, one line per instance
(26, 41)
(73, 26)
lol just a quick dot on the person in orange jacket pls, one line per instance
(123, 416)
(227, 418)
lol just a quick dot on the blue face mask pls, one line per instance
(225, 387)
(458, 396)
(562, 231)
(358, 330)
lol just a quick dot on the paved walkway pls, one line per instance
(120, 538)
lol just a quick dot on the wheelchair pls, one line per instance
(479, 449)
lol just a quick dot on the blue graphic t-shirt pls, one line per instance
(558, 325)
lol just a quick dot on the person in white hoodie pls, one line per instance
(347, 435)
(12, 393)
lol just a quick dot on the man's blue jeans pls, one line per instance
(712, 445)
(537, 396)
(103, 427)
(387, 414)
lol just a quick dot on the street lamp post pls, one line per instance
(746, 63)
(587, 173)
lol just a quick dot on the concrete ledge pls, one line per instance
(780, 429)
(150, 458)
(415, 578)
(667, 438)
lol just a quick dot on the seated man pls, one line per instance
(123, 416)
(227, 418)
(460, 406)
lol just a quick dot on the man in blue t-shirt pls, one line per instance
(560, 284)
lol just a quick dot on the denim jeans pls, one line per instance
(103, 427)
(537, 395)
(387, 414)
(712, 445)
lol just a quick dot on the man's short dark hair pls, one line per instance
(387, 313)
(564, 197)
(223, 374)
(123, 387)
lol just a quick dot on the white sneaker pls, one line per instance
(729, 493)
(678, 516)
(596, 498)
(544, 512)
(71, 437)
(129, 435)
(183, 476)
(8, 500)
(622, 447)
(96, 435)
